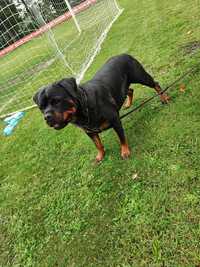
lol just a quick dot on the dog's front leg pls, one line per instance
(97, 141)
(117, 126)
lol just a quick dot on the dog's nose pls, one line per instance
(48, 117)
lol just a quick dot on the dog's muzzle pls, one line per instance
(53, 122)
(49, 118)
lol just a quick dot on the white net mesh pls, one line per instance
(44, 41)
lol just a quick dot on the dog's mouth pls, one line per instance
(56, 125)
(59, 120)
(59, 126)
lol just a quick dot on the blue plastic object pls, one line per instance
(12, 122)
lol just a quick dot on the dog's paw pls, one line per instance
(100, 157)
(125, 152)
(126, 106)
(165, 98)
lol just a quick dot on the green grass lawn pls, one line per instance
(60, 209)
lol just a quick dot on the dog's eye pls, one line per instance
(55, 101)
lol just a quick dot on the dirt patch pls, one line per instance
(191, 47)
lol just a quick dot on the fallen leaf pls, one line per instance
(189, 32)
(182, 88)
(134, 176)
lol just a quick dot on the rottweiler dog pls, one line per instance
(94, 106)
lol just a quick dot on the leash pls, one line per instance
(192, 70)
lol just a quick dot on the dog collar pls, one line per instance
(84, 104)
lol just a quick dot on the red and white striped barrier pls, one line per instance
(46, 27)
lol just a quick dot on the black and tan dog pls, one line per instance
(94, 105)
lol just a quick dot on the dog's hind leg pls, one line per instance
(137, 74)
(129, 99)
(147, 80)
(163, 96)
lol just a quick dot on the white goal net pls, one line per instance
(42, 41)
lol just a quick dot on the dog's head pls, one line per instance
(58, 102)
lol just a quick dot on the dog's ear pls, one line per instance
(70, 85)
(39, 97)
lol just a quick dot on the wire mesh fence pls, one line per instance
(43, 41)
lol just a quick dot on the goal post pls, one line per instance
(47, 41)
(73, 16)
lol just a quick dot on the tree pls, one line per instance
(28, 12)
(10, 23)
(59, 6)
(17, 18)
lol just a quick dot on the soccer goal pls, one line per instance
(42, 41)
